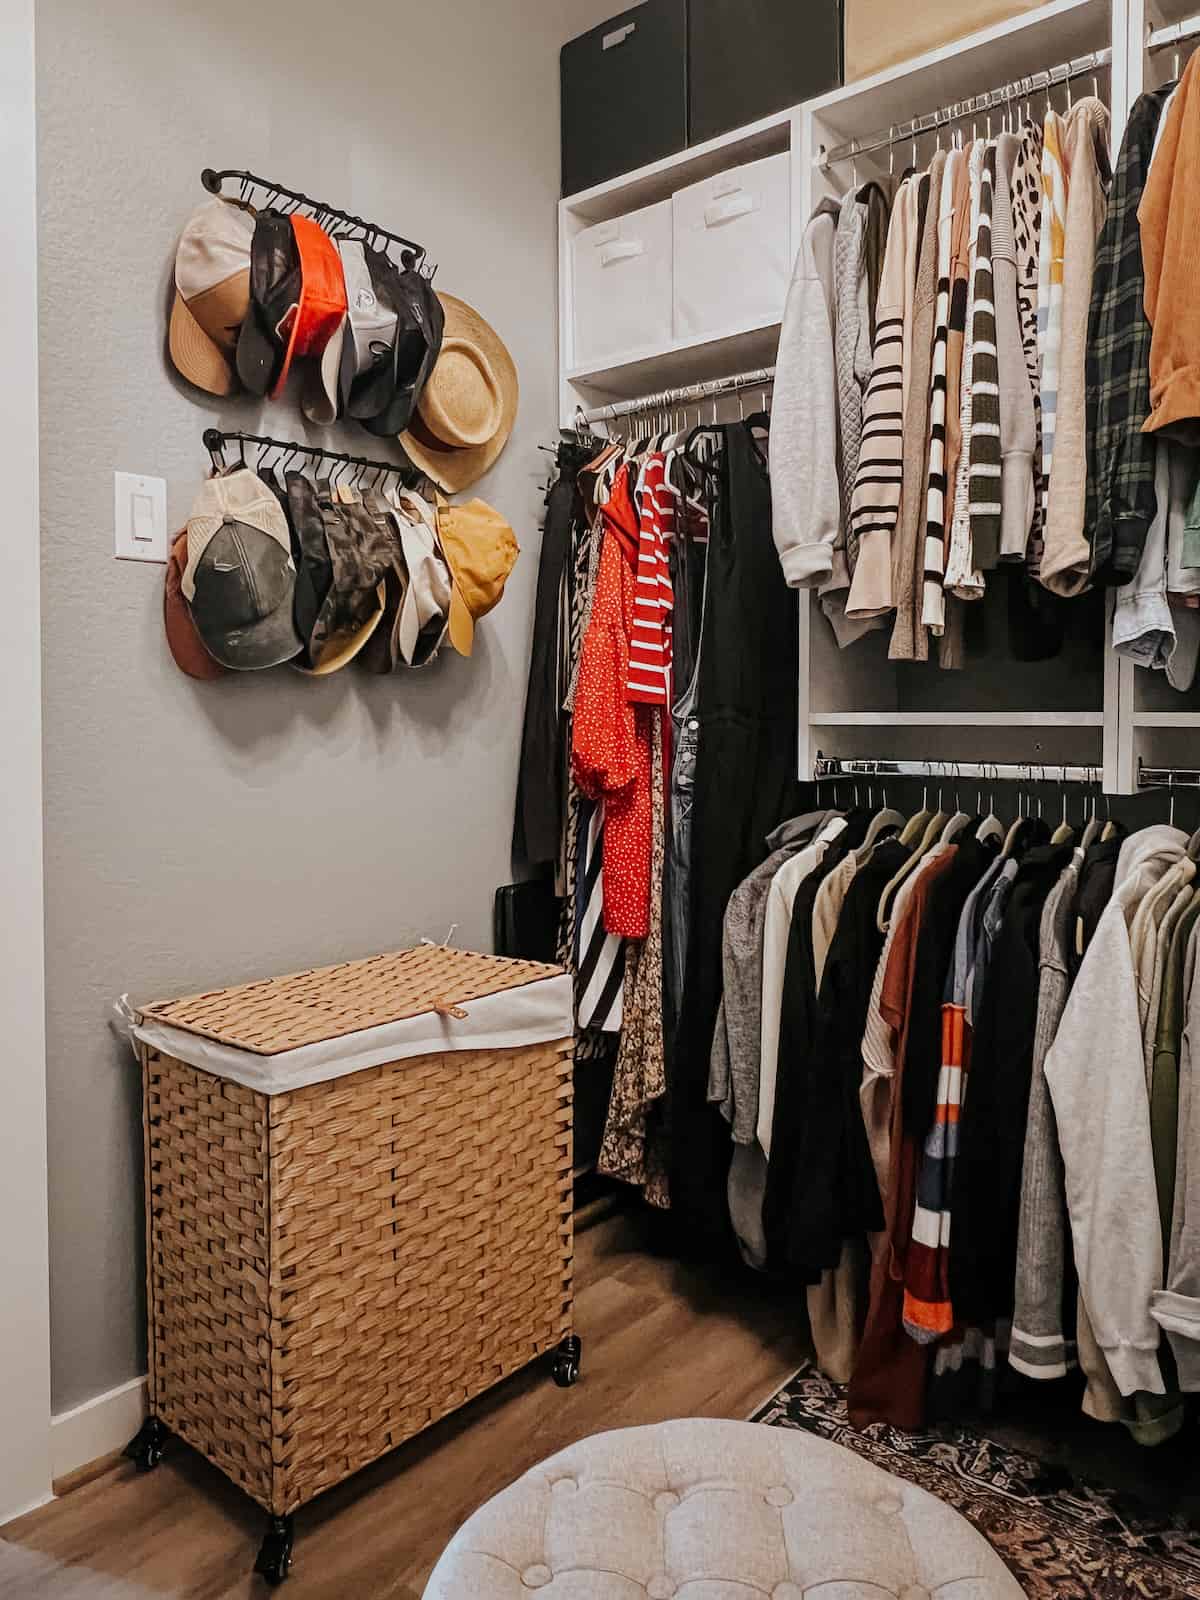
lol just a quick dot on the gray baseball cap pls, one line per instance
(240, 579)
(365, 338)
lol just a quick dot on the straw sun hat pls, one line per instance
(469, 404)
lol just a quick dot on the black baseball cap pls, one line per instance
(275, 285)
(240, 578)
(390, 393)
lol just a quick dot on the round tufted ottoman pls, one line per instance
(704, 1510)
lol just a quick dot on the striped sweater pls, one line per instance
(876, 501)
(985, 387)
(1051, 251)
(933, 608)
(1027, 230)
(962, 577)
(648, 680)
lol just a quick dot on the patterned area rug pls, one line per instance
(1063, 1539)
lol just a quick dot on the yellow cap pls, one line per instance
(481, 550)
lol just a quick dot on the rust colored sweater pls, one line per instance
(889, 1380)
(1169, 215)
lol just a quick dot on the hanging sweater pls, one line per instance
(1051, 248)
(1040, 1348)
(963, 578)
(876, 499)
(1096, 1075)
(1066, 559)
(1169, 214)
(1176, 1309)
(985, 1206)
(910, 641)
(933, 606)
(1027, 229)
(986, 466)
(852, 352)
(960, 264)
(1018, 432)
(1121, 500)
(805, 489)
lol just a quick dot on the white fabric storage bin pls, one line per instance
(622, 275)
(733, 249)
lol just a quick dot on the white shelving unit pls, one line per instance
(682, 361)
(1086, 707)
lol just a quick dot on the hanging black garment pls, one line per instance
(537, 830)
(825, 1189)
(986, 1203)
(745, 785)
(1097, 877)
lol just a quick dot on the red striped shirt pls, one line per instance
(648, 681)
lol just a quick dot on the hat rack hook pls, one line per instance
(215, 440)
(415, 255)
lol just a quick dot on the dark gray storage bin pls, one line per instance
(624, 94)
(748, 58)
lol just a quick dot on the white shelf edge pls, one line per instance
(696, 154)
(599, 374)
(957, 719)
(1166, 719)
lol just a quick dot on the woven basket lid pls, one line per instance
(277, 1014)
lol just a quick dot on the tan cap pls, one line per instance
(212, 294)
(468, 406)
(481, 550)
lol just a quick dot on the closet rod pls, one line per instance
(1168, 777)
(762, 378)
(1174, 33)
(951, 771)
(945, 116)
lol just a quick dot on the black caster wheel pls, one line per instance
(566, 1361)
(146, 1449)
(275, 1558)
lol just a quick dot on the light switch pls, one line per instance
(141, 517)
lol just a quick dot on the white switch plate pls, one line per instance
(141, 517)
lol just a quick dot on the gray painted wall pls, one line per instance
(203, 833)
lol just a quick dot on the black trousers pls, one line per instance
(745, 785)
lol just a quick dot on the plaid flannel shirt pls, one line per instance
(1120, 483)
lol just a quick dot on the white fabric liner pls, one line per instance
(534, 1013)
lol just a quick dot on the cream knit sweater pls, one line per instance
(1067, 555)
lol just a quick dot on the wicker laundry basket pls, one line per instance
(342, 1249)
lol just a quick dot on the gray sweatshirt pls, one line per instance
(1176, 1308)
(1097, 1080)
(805, 449)
(1039, 1348)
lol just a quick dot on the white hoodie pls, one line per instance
(1096, 1075)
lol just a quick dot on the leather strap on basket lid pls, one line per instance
(447, 1008)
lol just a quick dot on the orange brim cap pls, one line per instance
(322, 296)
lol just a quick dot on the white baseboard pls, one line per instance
(99, 1426)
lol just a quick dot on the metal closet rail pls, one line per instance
(664, 399)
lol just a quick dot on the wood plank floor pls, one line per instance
(660, 1340)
